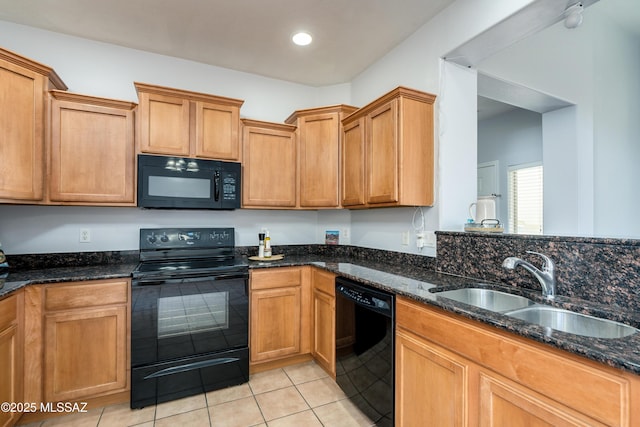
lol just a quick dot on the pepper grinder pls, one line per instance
(260, 245)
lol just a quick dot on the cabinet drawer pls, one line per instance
(8, 311)
(324, 281)
(276, 277)
(550, 372)
(86, 294)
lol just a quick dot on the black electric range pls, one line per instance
(189, 314)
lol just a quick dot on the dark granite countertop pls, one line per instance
(413, 281)
(419, 284)
(22, 278)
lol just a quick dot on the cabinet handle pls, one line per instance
(216, 185)
(191, 367)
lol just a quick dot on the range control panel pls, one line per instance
(176, 238)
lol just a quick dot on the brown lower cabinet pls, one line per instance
(451, 371)
(86, 343)
(78, 341)
(11, 356)
(323, 319)
(292, 317)
(279, 314)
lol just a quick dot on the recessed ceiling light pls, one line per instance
(302, 38)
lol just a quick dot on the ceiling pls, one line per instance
(245, 35)
(489, 108)
(497, 97)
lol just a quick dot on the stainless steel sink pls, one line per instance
(573, 323)
(488, 299)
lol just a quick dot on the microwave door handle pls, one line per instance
(216, 186)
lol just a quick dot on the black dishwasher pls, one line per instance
(365, 320)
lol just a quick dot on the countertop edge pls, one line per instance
(595, 349)
(598, 350)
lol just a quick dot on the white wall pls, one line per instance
(616, 133)
(107, 70)
(43, 229)
(558, 62)
(417, 63)
(561, 207)
(458, 155)
(512, 138)
(596, 67)
(102, 69)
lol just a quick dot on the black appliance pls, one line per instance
(185, 183)
(365, 321)
(189, 314)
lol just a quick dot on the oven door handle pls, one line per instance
(216, 186)
(191, 366)
(151, 281)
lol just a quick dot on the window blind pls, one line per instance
(525, 199)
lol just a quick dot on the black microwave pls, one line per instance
(185, 183)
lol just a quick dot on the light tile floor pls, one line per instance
(301, 395)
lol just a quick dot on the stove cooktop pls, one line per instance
(190, 265)
(183, 252)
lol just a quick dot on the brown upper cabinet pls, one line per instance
(319, 144)
(269, 176)
(91, 150)
(353, 163)
(182, 123)
(23, 92)
(387, 153)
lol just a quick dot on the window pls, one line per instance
(525, 199)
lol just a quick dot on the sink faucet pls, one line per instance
(546, 275)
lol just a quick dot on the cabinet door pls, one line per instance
(11, 356)
(275, 323)
(217, 131)
(319, 160)
(163, 124)
(324, 331)
(504, 402)
(382, 154)
(353, 164)
(85, 353)
(323, 311)
(430, 384)
(269, 167)
(21, 133)
(92, 153)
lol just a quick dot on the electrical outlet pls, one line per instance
(405, 238)
(345, 233)
(420, 239)
(85, 235)
(430, 239)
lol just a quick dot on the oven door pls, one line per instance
(188, 336)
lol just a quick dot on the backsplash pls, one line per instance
(79, 259)
(70, 259)
(605, 271)
(401, 260)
